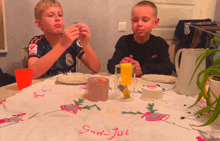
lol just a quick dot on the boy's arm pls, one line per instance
(118, 55)
(138, 67)
(89, 58)
(163, 65)
(41, 65)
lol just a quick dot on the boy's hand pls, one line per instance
(127, 59)
(131, 56)
(84, 34)
(138, 67)
(70, 35)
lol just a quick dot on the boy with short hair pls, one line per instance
(148, 53)
(56, 51)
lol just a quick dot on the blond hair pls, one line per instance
(44, 4)
(148, 3)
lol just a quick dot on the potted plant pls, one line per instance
(211, 73)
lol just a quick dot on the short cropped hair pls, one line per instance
(44, 4)
(148, 3)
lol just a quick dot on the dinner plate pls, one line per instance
(73, 79)
(159, 78)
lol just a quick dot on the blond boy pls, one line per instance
(56, 50)
(148, 53)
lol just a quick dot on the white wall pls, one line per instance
(217, 11)
(102, 16)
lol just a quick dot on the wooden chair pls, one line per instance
(78, 65)
(24, 56)
(172, 54)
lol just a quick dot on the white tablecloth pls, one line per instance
(38, 113)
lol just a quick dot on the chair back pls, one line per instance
(78, 65)
(172, 52)
(24, 56)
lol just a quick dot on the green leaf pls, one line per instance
(123, 112)
(153, 111)
(216, 62)
(197, 65)
(215, 38)
(150, 108)
(204, 75)
(89, 107)
(79, 102)
(214, 95)
(206, 109)
(86, 107)
(96, 107)
(201, 58)
(202, 84)
(198, 99)
(213, 116)
(215, 113)
(208, 102)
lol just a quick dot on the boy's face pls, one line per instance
(143, 21)
(52, 21)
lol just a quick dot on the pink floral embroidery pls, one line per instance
(2, 102)
(155, 116)
(200, 139)
(40, 93)
(19, 115)
(14, 118)
(202, 101)
(37, 95)
(71, 108)
(45, 90)
(83, 88)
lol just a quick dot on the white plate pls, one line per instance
(73, 79)
(159, 78)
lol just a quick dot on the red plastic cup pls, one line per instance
(23, 77)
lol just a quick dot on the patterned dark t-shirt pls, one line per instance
(39, 46)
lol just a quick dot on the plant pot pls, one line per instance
(215, 88)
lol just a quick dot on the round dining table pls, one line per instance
(11, 89)
(50, 110)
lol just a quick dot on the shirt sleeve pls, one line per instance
(160, 63)
(77, 48)
(118, 55)
(35, 47)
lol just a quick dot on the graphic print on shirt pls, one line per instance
(78, 43)
(32, 49)
(154, 56)
(69, 59)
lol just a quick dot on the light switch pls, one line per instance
(122, 26)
